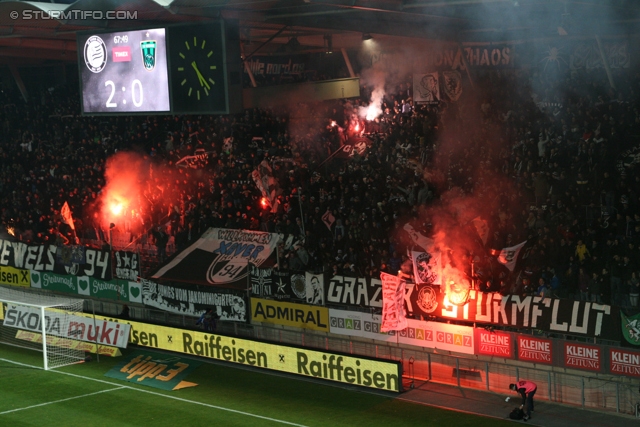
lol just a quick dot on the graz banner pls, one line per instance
(358, 324)
(127, 265)
(193, 300)
(536, 350)
(285, 285)
(530, 312)
(65, 325)
(96, 263)
(441, 336)
(352, 291)
(221, 257)
(290, 314)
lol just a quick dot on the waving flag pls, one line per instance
(66, 215)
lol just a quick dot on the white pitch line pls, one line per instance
(61, 400)
(221, 408)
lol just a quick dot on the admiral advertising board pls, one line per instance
(290, 314)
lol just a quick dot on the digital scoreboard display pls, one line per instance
(124, 72)
(179, 69)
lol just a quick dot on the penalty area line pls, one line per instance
(180, 399)
(61, 400)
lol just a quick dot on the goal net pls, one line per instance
(39, 321)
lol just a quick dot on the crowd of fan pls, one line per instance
(557, 166)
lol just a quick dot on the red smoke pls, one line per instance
(120, 203)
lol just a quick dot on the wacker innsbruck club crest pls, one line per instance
(148, 54)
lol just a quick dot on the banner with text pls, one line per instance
(352, 291)
(118, 290)
(494, 343)
(547, 314)
(221, 257)
(347, 369)
(65, 325)
(96, 263)
(193, 300)
(15, 277)
(290, 314)
(127, 265)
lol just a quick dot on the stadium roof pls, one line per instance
(27, 37)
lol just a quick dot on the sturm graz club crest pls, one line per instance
(148, 54)
(425, 272)
(95, 54)
(427, 299)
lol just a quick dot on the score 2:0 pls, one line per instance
(135, 83)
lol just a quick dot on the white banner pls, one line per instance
(314, 284)
(419, 333)
(393, 317)
(427, 267)
(67, 325)
(358, 324)
(441, 336)
(426, 88)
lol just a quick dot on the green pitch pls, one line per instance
(80, 395)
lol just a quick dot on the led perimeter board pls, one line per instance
(178, 69)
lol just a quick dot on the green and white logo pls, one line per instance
(148, 54)
(631, 328)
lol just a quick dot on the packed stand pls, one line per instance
(564, 159)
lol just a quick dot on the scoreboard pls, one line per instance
(181, 69)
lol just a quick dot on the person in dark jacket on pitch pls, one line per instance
(526, 389)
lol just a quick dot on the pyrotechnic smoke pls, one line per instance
(120, 200)
(376, 78)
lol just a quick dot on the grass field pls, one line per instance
(80, 395)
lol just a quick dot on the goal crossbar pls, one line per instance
(37, 320)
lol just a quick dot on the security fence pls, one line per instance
(588, 390)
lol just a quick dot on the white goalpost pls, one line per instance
(41, 322)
